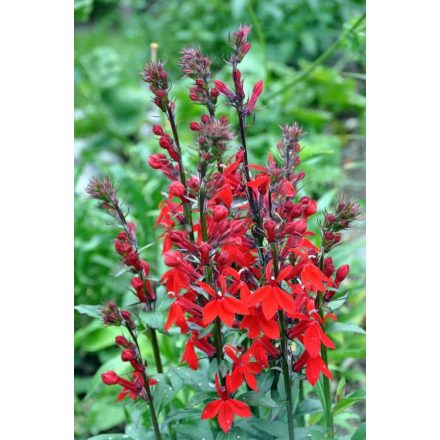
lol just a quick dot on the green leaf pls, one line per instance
(349, 400)
(153, 319)
(83, 8)
(199, 431)
(308, 406)
(89, 310)
(361, 433)
(253, 398)
(342, 327)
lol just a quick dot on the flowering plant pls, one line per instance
(247, 283)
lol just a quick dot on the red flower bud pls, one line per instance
(157, 161)
(270, 226)
(311, 208)
(329, 268)
(220, 213)
(122, 236)
(177, 189)
(158, 130)
(172, 258)
(122, 341)
(110, 378)
(165, 142)
(300, 226)
(122, 248)
(194, 126)
(127, 355)
(342, 273)
(193, 183)
(137, 283)
(204, 253)
(126, 315)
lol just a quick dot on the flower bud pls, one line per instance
(127, 355)
(122, 236)
(300, 226)
(165, 142)
(193, 183)
(110, 378)
(157, 130)
(122, 341)
(172, 258)
(311, 208)
(270, 226)
(220, 213)
(157, 161)
(204, 253)
(126, 315)
(296, 211)
(223, 258)
(194, 126)
(342, 273)
(177, 189)
(329, 268)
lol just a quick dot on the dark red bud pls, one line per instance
(110, 378)
(342, 273)
(122, 341)
(194, 126)
(205, 248)
(311, 208)
(126, 315)
(172, 258)
(158, 130)
(177, 189)
(329, 268)
(220, 213)
(127, 355)
(270, 226)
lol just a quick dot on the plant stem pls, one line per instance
(186, 207)
(302, 419)
(147, 387)
(218, 347)
(156, 350)
(324, 356)
(284, 354)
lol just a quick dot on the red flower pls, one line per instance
(225, 408)
(243, 368)
(271, 296)
(313, 278)
(224, 307)
(258, 88)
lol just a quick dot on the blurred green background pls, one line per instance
(307, 77)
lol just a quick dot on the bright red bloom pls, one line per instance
(271, 296)
(243, 369)
(222, 306)
(225, 408)
(313, 278)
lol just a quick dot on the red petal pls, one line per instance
(207, 288)
(189, 355)
(270, 328)
(312, 341)
(257, 296)
(236, 305)
(225, 314)
(285, 273)
(251, 381)
(171, 317)
(212, 409)
(285, 301)
(225, 417)
(210, 312)
(239, 408)
(313, 369)
(269, 306)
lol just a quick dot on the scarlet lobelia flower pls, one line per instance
(225, 408)
(271, 296)
(221, 305)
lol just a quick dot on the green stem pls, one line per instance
(218, 347)
(147, 387)
(284, 354)
(186, 207)
(327, 390)
(302, 419)
(156, 350)
(321, 59)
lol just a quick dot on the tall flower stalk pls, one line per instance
(243, 275)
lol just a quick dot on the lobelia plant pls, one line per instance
(249, 288)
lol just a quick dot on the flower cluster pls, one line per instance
(241, 261)
(247, 266)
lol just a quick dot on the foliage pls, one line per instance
(112, 127)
